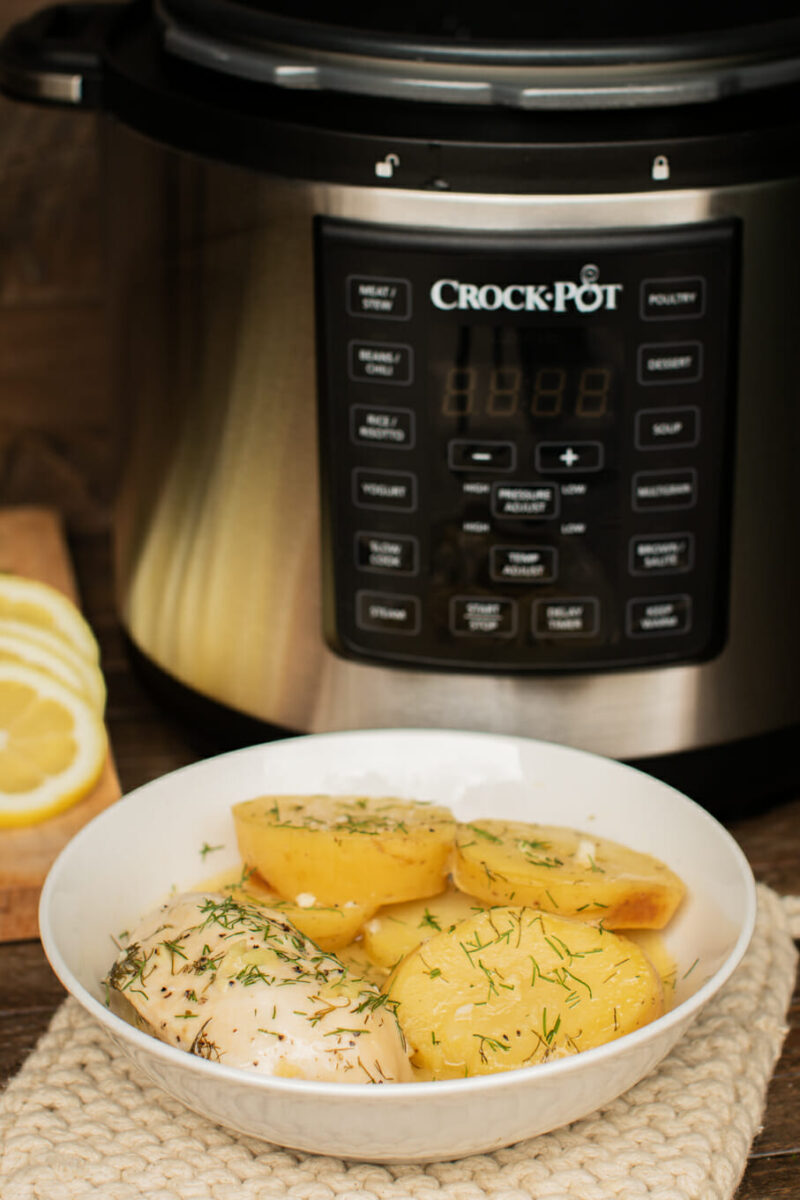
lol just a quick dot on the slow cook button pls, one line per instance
(374, 296)
(523, 564)
(667, 428)
(573, 458)
(657, 616)
(525, 501)
(669, 299)
(371, 425)
(387, 554)
(482, 616)
(662, 554)
(659, 491)
(384, 489)
(567, 618)
(380, 612)
(380, 362)
(670, 362)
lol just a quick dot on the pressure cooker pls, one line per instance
(458, 355)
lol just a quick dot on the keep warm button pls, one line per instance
(657, 616)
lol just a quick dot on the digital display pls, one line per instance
(498, 373)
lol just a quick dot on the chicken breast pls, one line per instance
(237, 983)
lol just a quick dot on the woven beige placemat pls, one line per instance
(80, 1121)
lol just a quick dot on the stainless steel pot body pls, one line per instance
(218, 525)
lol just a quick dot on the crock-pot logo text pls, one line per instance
(587, 295)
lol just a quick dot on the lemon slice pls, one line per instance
(45, 607)
(52, 745)
(50, 652)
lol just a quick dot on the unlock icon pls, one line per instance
(385, 168)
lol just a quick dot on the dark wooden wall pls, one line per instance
(56, 411)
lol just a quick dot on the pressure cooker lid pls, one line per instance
(558, 55)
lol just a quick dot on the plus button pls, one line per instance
(569, 457)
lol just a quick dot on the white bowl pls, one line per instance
(128, 858)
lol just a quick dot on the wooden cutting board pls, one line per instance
(32, 543)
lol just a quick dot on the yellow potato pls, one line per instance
(397, 929)
(566, 872)
(511, 987)
(331, 926)
(367, 849)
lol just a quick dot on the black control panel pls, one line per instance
(526, 445)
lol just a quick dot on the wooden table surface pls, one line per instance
(149, 741)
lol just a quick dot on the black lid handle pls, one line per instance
(56, 56)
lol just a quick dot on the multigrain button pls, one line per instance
(523, 564)
(480, 616)
(659, 616)
(661, 554)
(566, 618)
(387, 554)
(670, 299)
(375, 296)
(381, 612)
(371, 425)
(670, 362)
(667, 428)
(380, 362)
(660, 491)
(525, 501)
(384, 489)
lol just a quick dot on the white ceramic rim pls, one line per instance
(682, 1014)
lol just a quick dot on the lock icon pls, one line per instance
(385, 168)
(660, 167)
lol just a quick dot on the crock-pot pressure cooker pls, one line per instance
(459, 350)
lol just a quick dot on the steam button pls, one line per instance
(380, 612)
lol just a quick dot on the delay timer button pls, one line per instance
(566, 618)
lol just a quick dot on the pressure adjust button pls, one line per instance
(669, 299)
(567, 618)
(523, 564)
(525, 501)
(660, 491)
(483, 616)
(371, 425)
(573, 458)
(670, 362)
(374, 296)
(380, 362)
(657, 616)
(384, 489)
(667, 428)
(387, 554)
(380, 612)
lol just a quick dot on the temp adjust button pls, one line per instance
(657, 616)
(525, 501)
(579, 617)
(387, 554)
(662, 554)
(659, 491)
(482, 616)
(380, 612)
(384, 489)
(523, 564)
(380, 362)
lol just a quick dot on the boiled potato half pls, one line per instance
(397, 929)
(510, 987)
(565, 872)
(367, 849)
